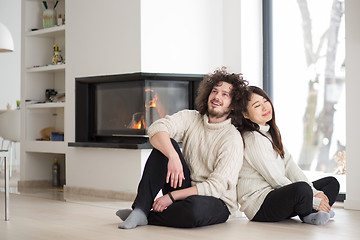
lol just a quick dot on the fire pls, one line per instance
(137, 126)
(140, 124)
(152, 102)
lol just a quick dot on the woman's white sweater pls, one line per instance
(263, 171)
(213, 152)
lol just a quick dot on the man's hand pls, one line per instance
(162, 203)
(175, 173)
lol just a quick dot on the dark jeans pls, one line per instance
(194, 211)
(295, 199)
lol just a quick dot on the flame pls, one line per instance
(149, 104)
(152, 102)
(137, 126)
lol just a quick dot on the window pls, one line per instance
(307, 81)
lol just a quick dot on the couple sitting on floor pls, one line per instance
(232, 154)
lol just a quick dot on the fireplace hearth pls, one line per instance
(115, 111)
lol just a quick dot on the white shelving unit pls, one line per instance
(38, 75)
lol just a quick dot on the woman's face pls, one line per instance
(259, 110)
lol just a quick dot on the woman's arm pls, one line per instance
(261, 156)
(296, 174)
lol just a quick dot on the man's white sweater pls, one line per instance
(263, 171)
(212, 151)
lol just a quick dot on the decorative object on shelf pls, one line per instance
(59, 20)
(49, 93)
(59, 97)
(56, 174)
(57, 58)
(49, 15)
(6, 40)
(57, 136)
(46, 133)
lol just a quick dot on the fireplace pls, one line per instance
(116, 110)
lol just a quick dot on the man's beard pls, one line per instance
(214, 114)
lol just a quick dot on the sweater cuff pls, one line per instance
(316, 203)
(315, 191)
(155, 128)
(200, 189)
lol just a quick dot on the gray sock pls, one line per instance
(123, 213)
(318, 218)
(332, 213)
(136, 218)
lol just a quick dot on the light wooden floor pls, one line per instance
(35, 217)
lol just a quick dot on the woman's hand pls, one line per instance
(324, 204)
(322, 196)
(162, 203)
(175, 173)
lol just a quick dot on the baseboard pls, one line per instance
(99, 193)
(351, 204)
(23, 185)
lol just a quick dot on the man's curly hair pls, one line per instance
(237, 92)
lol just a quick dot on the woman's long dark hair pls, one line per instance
(248, 125)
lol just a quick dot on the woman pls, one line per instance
(271, 186)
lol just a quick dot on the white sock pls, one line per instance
(123, 213)
(318, 218)
(332, 213)
(136, 218)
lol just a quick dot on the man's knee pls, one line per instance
(201, 212)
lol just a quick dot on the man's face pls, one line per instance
(219, 102)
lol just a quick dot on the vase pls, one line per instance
(49, 18)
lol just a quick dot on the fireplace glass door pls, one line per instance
(127, 108)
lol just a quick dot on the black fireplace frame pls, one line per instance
(84, 110)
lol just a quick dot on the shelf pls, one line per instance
(45, 105)
(48, 68)
(47, 32)
(45, 146)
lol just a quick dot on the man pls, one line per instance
(199, 183)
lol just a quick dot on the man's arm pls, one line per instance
(164, 201)
(175, 174)
(161, 141)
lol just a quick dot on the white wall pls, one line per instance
(232, 33)
(352, 19)
(10, 16)
(181, 36)
(102, 37)
(251, 41)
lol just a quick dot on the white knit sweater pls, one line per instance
(263, 171)
(213, 152)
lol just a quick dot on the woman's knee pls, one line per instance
(334, 183)
(302, 189)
